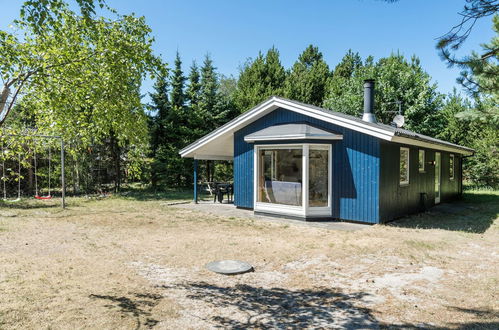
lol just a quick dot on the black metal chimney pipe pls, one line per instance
(369, 101)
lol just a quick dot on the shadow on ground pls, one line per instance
(282, 308)
(474, 213)
(249, 307)
(138, 306)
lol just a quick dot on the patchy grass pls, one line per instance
(132, 261)
(475, 213)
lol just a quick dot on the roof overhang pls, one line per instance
(219, 144)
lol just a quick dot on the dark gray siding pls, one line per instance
(355, 173)
(396, 200)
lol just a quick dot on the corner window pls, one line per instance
(421, 160)
(404, 166)
(451, 167)
(293, 179)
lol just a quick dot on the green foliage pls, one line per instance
(259, 79)
(478, 133)
(80, 75)
(453, 128)
(478, 125)
(396, 80)
(189, 113)
(170, 131)
(480, 76)
(483, 167)
(194, 87)
(308, 78)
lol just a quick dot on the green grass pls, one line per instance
(142, 193)
(481, 196)
(474, 213)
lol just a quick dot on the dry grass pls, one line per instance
(130, 263)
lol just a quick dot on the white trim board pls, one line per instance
(328, 116)
(304, 210)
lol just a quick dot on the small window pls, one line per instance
(404, 166)
(451, 167)
(421, 160)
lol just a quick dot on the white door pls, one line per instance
(438, 176)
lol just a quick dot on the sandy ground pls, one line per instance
(122, 263)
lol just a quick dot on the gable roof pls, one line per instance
(219, 143)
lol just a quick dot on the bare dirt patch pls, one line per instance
(123, 263)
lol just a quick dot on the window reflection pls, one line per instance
(318, 177)
(280, 180)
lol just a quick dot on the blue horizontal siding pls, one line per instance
(355, 173)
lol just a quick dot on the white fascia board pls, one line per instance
(294, 137)
(435, 146)
(231, 126)
(275, 103)
(337, 120)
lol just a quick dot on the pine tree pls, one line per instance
(308, 78)
(159, 120)
(259, 79)
(179, 132)
(208, 94)
(348, 65)
(178, 84)
(194, 87)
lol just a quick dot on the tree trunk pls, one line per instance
(3, 99)
(116, 153)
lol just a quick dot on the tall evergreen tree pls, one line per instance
(160, 108)
(178, 84)
(210, 108)
(259, 79)
(180, 133)
(194, 87)
(308, 78)
(348, 65)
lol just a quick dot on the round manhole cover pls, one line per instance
(229, 267)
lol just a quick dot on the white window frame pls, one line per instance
(405, 183)
(300, 211)
(422, 152)
(451, 156)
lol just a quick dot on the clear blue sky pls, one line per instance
(232, 31)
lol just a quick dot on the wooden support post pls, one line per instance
(63, 183)
(195, 181)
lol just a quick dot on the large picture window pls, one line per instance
(293, 179)
(280, 179)
(404, 166)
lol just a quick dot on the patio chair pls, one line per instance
(221, 190)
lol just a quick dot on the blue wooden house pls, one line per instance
(300, 161)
